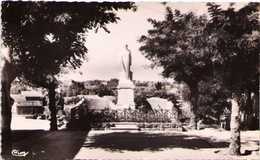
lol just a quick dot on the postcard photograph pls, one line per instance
(129, 80)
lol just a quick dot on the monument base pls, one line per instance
(125, 98)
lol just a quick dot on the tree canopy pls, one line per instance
(235, 38)
(178, 45)
(45, 36)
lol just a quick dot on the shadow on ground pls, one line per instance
(48, 145)
(141, 141)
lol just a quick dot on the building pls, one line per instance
(28, 103)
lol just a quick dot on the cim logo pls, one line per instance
(18, 153)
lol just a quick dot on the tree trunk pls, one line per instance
(249, 111)
(192, 118)
(234, 147)
(249, 103)
(6, 116)
(8, 74)
(193, 108)
(52, 108)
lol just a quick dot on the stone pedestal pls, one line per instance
(125, 99)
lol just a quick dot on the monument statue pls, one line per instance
(125, 87)
(126, 63)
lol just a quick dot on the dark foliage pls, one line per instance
(45, 36)
(235, 40)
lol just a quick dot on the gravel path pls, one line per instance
(164, 145)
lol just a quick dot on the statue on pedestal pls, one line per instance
(126, 87)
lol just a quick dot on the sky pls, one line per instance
(104, 49)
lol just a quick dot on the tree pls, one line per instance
(235, 38)
(112, 85)
(42, 37)
(103, 90)
(158, 85)
(178, 44)
(212, 99)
